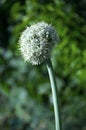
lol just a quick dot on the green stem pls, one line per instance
(55, 95)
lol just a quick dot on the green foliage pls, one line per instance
(25, 89)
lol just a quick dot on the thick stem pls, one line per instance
(55, 95)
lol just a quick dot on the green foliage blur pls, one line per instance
(25, 93)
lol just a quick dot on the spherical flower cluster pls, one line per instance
(36, 42)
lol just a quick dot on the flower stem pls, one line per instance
(55, 95)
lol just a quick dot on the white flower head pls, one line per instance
(36, 42)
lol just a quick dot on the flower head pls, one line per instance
(36, 42)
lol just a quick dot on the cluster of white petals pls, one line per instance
(36, 42)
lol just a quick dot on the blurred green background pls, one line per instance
(25, 93)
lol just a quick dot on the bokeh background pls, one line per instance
(25, 93)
